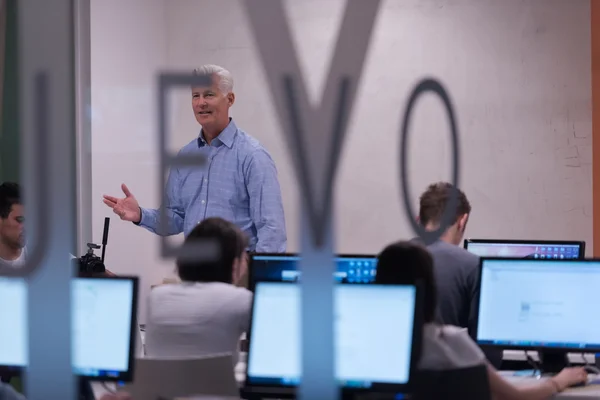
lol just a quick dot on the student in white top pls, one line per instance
(205, 313)
(446, 347)
(12, 232)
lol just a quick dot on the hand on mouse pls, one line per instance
(570, 376)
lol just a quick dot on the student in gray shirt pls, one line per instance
(206, 313)
(455, 268)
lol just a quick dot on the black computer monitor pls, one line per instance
(103, 314)
(539, 304)
(350, 268)
(553, 249)
(377, 329)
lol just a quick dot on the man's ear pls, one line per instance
(235, 270)
(462, 222)
(230, 98)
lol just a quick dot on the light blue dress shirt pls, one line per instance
(238, 183)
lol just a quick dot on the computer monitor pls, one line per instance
(553, 249)
(103, 321)
(377, 327)
(539, 304)
(284, 267)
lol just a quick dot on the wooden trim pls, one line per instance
(595, 36)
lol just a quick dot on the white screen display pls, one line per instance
(13, 322)
(531, 303)
(101, 315)
(373, 333)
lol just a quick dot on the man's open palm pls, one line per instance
(126, 208)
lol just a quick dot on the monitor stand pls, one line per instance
(553, 361)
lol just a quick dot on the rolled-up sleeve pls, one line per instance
(150, 218)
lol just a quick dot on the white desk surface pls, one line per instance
(585, 393)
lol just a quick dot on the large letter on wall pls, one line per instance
(315, 136)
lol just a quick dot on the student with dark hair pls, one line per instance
(12, 232)
(447, 347)
(205, 313)
(455, 268)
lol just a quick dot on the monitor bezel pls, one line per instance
(580, 243)
(123, 376)
(542, 348)
(289, 391)
(251, 267)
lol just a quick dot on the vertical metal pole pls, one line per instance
(83, 123)
(316, 310)
(46, 51)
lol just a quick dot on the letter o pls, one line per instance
(429, 85)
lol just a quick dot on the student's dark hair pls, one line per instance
(406, 263)
(10, 194)
(231, 243)
(434, 200)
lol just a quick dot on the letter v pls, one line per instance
(314, 135)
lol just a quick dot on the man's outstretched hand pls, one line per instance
(126, 208)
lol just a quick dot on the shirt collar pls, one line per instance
(225, 137)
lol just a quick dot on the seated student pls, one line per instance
(455, 268)
(12, 232)
(205, 313)
(447, 347)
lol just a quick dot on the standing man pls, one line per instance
(12, 232)
(238, 184)
(456, 270)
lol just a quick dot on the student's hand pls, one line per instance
(126, 208)
(117, 396)
(570, 376)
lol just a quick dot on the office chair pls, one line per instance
(182, 377)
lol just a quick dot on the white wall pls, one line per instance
(128, 48)
(518, 71)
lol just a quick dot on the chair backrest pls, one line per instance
(470, 383)
(169, 377)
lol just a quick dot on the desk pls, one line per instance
(592, 391)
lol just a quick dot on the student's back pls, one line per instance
(195, 319)
(206, 313)
(456, 273)
(456, 270)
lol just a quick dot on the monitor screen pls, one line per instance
(284, 267)
(103, 314)
(372, 322)
(539, 303)
(522, 249)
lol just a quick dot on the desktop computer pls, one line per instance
(284, 267)
(544, 249)
(539, 304)
(377, 329)
(103, 326)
